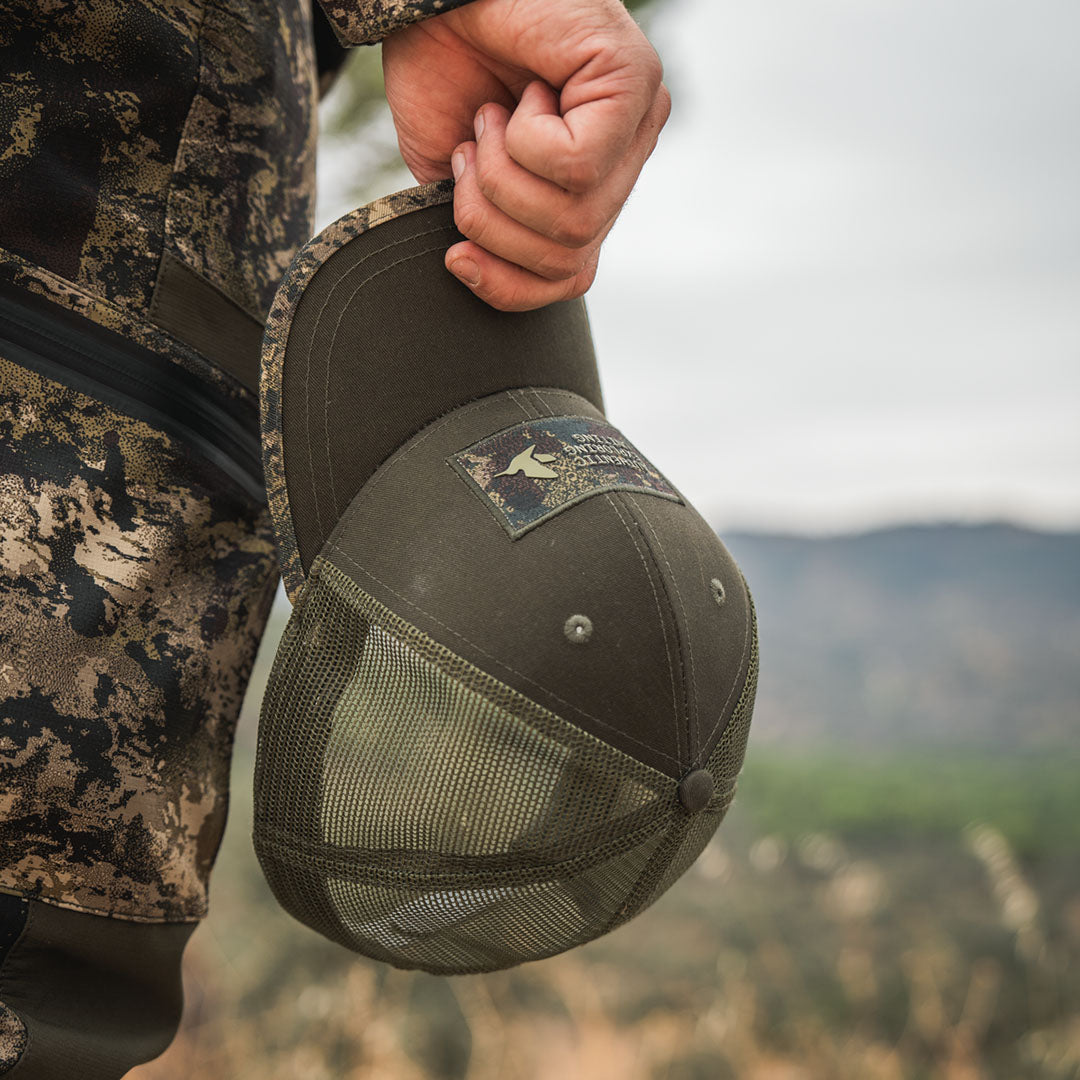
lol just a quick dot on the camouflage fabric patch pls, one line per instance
(364, 22)
(94, 104)
(12, 1038)
(303, 268)
(530, 472)
(242, 192)
(180, 124)
(135, 581)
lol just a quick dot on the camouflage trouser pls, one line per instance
(135, 578)
(156, 176)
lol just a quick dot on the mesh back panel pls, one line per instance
(419, 811)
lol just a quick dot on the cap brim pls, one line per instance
(369, 339)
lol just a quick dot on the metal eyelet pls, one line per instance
(718, 592)
(578, 629)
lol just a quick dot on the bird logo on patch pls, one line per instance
(531, 464)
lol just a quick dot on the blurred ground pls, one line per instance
(855, 253)
(900, 906)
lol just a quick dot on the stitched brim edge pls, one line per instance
(275, 342)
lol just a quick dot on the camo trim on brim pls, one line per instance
(13, 1038)
(275, 343)
(35, 279)
(364, 22)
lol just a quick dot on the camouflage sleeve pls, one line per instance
(365, 22)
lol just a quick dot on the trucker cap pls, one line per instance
(513, 695)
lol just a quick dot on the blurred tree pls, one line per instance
(355, 121)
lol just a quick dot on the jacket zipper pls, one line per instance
(70, 349)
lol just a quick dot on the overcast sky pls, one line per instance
(845, 291)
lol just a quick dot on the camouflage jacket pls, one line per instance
(157, 171)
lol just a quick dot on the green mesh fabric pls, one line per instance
(419, 811)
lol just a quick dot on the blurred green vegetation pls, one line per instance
(1033, 799)
(895, 894)
(790, 951)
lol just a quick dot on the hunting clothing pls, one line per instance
(157, 164)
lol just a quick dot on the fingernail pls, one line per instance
(478, 123)
(467, 270)
(457, 163)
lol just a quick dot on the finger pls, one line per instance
(571, 220)
(577, 145)
(508, 287)
(496, 232)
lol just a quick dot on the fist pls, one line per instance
(544, 112)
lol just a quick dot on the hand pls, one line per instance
(544, 111)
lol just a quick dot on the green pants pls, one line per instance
(156, 177)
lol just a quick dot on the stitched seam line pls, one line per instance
(326, 381)
(737, 685)
(485, 401)
(305, 265)
(540, 401)
(333, 341)
(530, 414)
(506, 667)
(659, 611)
(696, 713)
(679, 632)
(624, 500)
(200, 83)
(112, 913)
(384, 469)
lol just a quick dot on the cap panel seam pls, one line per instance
(337, 329)
(694, 713)
(522, 405)
(520, 674)
(542, 403)
(679, 634)
(329, 352)
(663, 628)
(305, 264)
(739, 684)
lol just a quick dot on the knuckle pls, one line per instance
(576, 287)
(559, 265)
(469, 218)
(652, 68)
(663, 96)
(496, 299)
(580, 284)
(581, 175)
(488, 177)
(505, 297)
(575, 229)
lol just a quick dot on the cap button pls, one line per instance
(696, 789)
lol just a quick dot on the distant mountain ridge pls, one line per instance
(918, 634)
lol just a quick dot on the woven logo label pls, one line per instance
(531, 471)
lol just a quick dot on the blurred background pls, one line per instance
(840, 310)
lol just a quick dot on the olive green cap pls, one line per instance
(513, 696)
